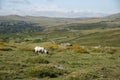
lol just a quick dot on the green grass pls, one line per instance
(103, 37)
(25, 65)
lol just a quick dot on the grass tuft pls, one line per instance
(81, 75)
(46, 71)
(37, 59)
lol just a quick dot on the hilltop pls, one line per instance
(117, 15)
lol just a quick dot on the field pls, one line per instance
(19, 62)
(16, 65)
(94, 54)
(95, 37)
(23, 64)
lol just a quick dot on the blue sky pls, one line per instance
(59, 8)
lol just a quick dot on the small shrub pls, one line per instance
(37, 59)
(46, 71)
(74, 48)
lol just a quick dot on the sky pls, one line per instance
(59, 8)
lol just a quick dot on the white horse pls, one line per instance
(40, 50)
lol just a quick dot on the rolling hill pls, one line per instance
(41, 21)
(81, 61)
(117, 15)
(15, 23)
(94, 31)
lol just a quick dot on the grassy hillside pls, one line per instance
(18, 26)
(91, 24)
(113, 16)
(61, 64)
(77, 31)
(41, 21)
(15, 23)
(81, 61)
(8, 27)
(104, 37)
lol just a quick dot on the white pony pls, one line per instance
(40, 50)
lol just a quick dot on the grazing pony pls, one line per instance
(40, 50)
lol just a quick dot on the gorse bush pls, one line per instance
(46, 71)
(74, 48)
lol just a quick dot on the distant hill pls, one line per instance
(7, 27)
(114, 16)
(41, 21)
(16, 23)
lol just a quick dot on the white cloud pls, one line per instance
(51, 13)
(18, 1)
(45, 10)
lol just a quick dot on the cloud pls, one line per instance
(49, 11)
(67, 14)
(25, 7)
(19, 1)
(45, 8)
(11, 4)
(14, 12)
